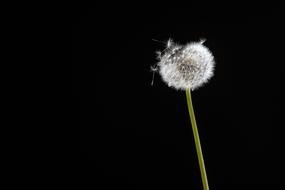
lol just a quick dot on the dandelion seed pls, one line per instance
(154, 70)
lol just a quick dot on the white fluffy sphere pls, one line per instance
(186, 67)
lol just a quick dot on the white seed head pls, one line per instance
(188, 66)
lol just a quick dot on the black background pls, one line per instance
(136, 136)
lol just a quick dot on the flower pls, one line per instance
(185, 67)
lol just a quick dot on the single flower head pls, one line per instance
(185, 66)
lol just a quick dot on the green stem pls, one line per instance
(197, 140)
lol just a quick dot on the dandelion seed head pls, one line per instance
(185, 66)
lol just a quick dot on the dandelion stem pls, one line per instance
(197, 141)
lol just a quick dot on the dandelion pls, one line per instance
(187, 67)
